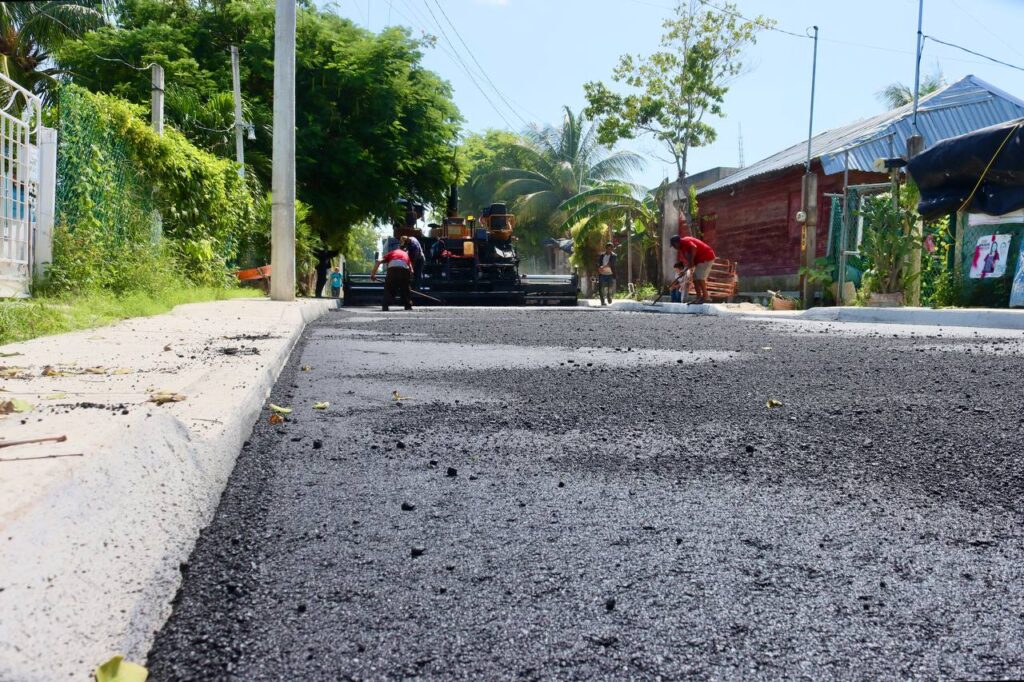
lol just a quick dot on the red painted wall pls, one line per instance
(755, 221)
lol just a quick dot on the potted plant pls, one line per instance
(889, 242)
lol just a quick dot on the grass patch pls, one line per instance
(21, 320)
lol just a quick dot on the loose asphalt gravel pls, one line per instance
(571, 494)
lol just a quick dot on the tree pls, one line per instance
(31, 31)
(609, 206)
(373, 125)
(479, 157)
(896, 95)
(561, 163)
(674, 90)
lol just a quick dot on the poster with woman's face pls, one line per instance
(990, 256)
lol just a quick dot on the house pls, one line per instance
(749, 216)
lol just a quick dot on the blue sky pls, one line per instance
(540, 52)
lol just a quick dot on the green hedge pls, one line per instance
(113, 172)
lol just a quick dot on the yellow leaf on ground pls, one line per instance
(773, 403)
(123, 370)
(321, 406)
(307, 368)
(96, 370)
(395, 395)
(14, 406)
(280, 410)
(119, 670)
(57, 396)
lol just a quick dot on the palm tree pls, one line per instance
(896, 95)
(31, 31)
(610, 205)
(564, 162)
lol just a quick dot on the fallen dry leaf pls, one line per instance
(119, 670)
(321, 406)
(51, 371)
(306, 368)
(11, 372)
(773, 403)
(96, 370)
(57, 396)
(395, 395)
(167, 347)
(123, 370)
(275, 418)
(163, 397)
(10, 355)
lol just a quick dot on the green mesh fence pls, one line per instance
(97, 183)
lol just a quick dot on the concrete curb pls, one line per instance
(92, 555)
(953, 317)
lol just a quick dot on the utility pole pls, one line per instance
(282, 242)
(915, 145)
(157, 116)
(236, 84)
(808, 246)
(157, 98)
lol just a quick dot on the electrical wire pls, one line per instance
(465, 67)
(757, 22)
(500, 94)
(976, 54)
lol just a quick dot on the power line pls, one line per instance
(976, 54)
(500, 94)
(985, 26)
(465, 67)
(757, 22)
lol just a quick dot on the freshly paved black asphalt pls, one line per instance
(527, 517)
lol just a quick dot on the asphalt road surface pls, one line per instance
(571, 494)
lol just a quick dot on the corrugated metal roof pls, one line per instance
(962, 107)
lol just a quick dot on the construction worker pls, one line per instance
(398, 280)
(606, 273)
(698, 257)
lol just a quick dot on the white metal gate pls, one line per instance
(20, 121)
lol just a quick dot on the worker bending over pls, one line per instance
(398, 280)
(699, 257)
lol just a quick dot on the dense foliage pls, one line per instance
(114, 172)
(373, 125)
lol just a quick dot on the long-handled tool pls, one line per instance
(429, 298)
(686, 289)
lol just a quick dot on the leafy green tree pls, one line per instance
(480, 156)
(609, 206)
(560, 163)
(373, 125)
(31, 31)
(671, 93)
(896, 95)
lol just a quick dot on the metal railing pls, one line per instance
(20, 122)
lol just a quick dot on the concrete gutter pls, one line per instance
(979, 318)
(91, 546)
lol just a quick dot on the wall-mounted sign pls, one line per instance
(990, 256)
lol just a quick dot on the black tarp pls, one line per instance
(948, 172)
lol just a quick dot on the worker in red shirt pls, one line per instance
(699, 257)
(398, 280)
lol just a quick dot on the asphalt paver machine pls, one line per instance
(469, 261)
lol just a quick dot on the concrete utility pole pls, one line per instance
(282, 241)
(157, 114)
(808, 242)
(915, 145)
(157, 93)
(236, 84)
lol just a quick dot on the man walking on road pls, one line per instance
(698, 256)
(398, 280)
(606, 273)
